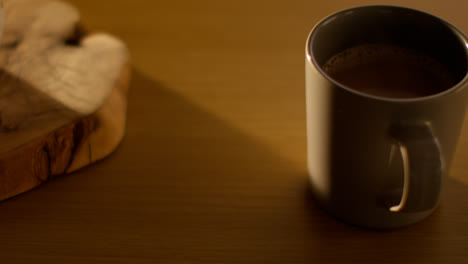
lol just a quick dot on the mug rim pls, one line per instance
(458, 33)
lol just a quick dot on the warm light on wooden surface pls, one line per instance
(213, 166)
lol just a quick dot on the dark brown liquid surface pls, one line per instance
(389, 71)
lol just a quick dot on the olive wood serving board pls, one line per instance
(63, 94)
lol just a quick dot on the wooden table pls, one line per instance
(213, 167)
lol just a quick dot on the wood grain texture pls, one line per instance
(213, 165)
(62, 97)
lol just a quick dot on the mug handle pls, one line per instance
(423, 166)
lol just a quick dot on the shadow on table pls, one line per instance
(184, 186)
(187, 187)
(253, 199)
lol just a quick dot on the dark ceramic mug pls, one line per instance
(352, 135)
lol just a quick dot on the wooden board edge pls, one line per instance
(68, 148)
(109, 130)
